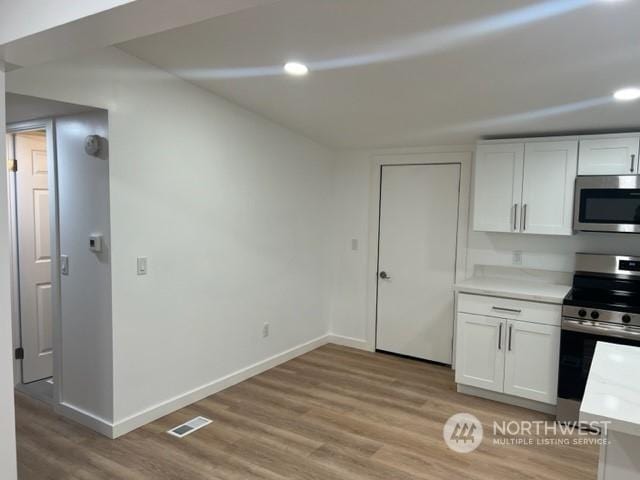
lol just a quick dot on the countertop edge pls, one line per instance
(556, 300)
(615, 424)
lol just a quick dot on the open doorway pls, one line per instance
(33, 222)
(58, 157)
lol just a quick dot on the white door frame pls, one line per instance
(49, 126)
(432, 156)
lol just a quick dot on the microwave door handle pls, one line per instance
(633, 162)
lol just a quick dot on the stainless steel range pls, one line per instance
(604, 305)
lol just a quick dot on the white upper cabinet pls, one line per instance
(525, 187)
(548, 186)
(615, 155)
(498, 187)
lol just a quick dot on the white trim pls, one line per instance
(85, 418)
(505, 398)
(436, 155)
(16, 333)
(358, 343)
(558, 138)
(604, 136)
(49, 126)
(161, 409)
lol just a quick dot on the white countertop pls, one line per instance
(514, 288)
(613, 388)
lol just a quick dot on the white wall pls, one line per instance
(7, 419)
(86, 333)
(351, 212)
(232, 211)
(351, 222)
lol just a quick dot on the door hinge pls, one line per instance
(12, 165)
(19, 353)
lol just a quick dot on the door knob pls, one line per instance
(384, 275)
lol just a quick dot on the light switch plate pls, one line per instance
(64, 264)
(517, 257)
(142, 265)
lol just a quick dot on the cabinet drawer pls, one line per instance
(526, 311)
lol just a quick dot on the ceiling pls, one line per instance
(416, 72)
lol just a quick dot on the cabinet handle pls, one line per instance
(633, 162)
(515, 216)
(524, 217)
(510, 331)
(503, 309)
(500, 337)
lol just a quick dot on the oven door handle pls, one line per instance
(582, 326)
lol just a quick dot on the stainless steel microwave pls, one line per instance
(607, 204)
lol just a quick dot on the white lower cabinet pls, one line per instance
(508, 355)
(531, 363)
(481, 339)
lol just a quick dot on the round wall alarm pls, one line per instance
(92, 145)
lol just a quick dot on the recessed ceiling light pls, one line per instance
(626, 94)
(296, 68)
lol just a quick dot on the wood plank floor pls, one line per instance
(334, 413)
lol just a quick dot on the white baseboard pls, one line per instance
(114, 430)
(349, 342)
(504, 398)
(164, 408)
(87, 419)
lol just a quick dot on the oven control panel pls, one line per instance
(629, 265)
(609, 316)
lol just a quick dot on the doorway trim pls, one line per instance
(48, 125)
(414, 157)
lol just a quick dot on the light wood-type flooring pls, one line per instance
(334, 413)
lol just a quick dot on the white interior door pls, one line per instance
(417, 254)
(34, 255)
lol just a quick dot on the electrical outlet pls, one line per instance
(265, 330)
(354, 244)
(517, 257)
(142, 265)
